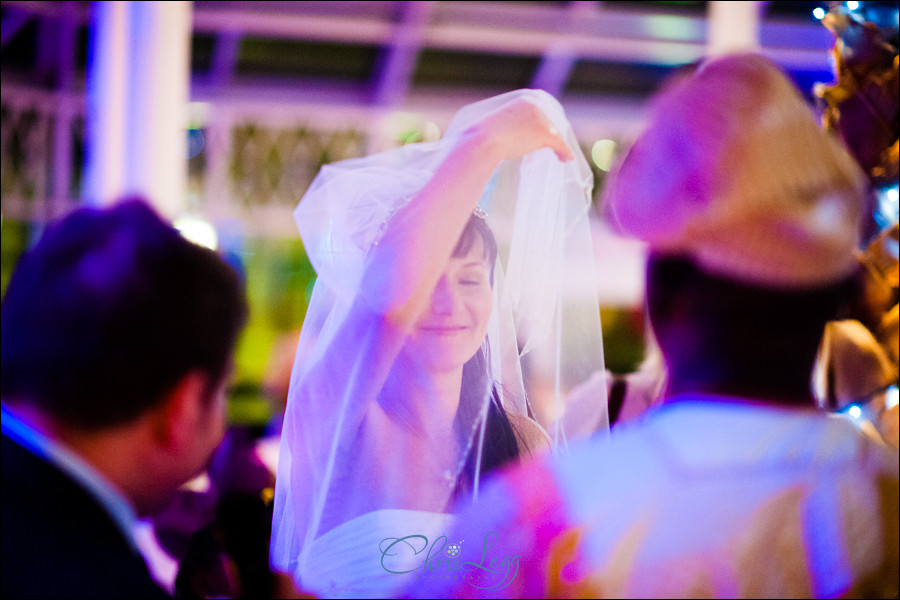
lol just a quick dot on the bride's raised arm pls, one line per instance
(402, 268)
(417, 243)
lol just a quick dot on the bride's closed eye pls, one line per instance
(473, 276)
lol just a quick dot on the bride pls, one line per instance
(439, 268)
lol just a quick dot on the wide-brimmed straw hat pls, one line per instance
(734, 171)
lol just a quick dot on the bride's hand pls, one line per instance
(519, 128)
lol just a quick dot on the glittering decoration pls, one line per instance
(862, 105)
(453, 549)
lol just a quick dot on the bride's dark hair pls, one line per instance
(477, 228)
(501, 445)
(500, 442)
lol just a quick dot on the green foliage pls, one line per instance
(14, 236)
(278, 277)
(623, 338)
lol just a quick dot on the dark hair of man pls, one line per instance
(726, 337)
(109, 311)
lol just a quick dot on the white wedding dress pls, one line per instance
(375, 554)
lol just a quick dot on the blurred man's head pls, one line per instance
(111, 315)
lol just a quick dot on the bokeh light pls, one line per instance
(893, 397)
(198, 231)
(196, 142)
(604, 153)
(888, 211)
(431, 132)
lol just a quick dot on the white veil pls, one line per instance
(538, 339)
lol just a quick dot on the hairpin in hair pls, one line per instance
(479, 212)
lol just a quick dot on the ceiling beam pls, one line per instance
(327, 28)
(554, 69)
(392, 76)
(558, 60)
(11, 24)
(601, 31)
(224, 58)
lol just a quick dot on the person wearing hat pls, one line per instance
(737, 484)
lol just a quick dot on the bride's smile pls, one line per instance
(454, 324)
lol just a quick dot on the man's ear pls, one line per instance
(176, 417)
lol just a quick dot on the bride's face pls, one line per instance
(452, 328)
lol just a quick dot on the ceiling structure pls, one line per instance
(408, 54)
(368, 59)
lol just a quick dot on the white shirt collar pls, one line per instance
(75, 467)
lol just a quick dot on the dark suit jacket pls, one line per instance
(58, 541)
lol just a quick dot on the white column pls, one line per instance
(137, 103)
(732, 27)
(66, 108)
(104, 168)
